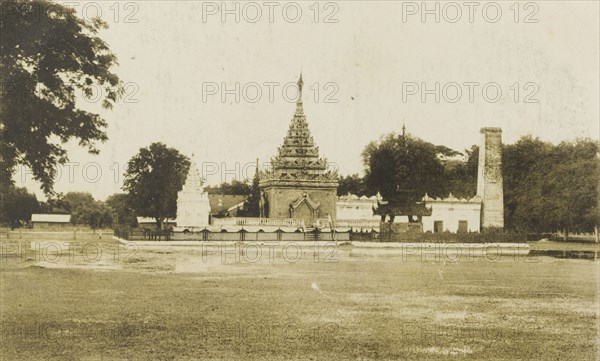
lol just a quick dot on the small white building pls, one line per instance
(50, 220)
(452, 214)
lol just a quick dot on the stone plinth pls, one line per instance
(401, 227)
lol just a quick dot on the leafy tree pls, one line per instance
(55, 205)
(403, 168)
(153, 178)
(352, 184)
(17, 205)
(461, 174)
(95, 215)
(252, 204)
(47, 55)
(75, 200)
(524, 166)
(234, 188)
(124, 214)
(551, 187)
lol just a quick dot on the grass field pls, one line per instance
(179, 303)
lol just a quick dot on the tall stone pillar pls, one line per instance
(489, 178)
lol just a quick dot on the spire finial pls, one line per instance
(403, 130)
(300, 84)
(299, 109)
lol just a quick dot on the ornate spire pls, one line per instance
(298, 157)
(299, 108)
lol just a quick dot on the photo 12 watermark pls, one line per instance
(254, 92)
(470, 91)
(490, 12)
(291, 12)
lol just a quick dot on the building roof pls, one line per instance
(354, 197)
(451, 199)
(220, 203)
(51, 218)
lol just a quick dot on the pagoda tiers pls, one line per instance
(298, 184)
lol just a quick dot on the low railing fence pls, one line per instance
(291, 222)
(167, 235)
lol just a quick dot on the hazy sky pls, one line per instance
(374, 61)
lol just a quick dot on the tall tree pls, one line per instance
(121, 205)
(551, 187)
(252, 204)
(17, 205)
(47, 56)
(95, 215)
(403, 168)
(153, 178)
(75, 200)
(462, 174)
(55, 205)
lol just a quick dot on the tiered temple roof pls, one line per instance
(298, 158)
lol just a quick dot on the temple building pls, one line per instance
(298, 184)
(193, 205)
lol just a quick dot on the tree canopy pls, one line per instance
(236, 187)
(547, 187)
(353, 184)
(252, 204)
(124, 214)
(551, 187)
(153, 178)
(403, 168)
(16, 205)
(47, 56)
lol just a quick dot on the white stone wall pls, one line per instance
(193, 211)
(352, 207)
(450, 213)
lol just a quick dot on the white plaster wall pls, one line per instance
(355, 209)
(452, 212)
